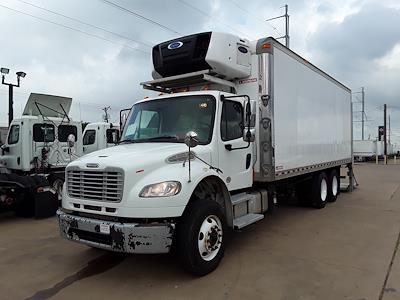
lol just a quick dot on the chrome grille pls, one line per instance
(95, 185)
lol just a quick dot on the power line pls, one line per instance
(139, 15)
(209, 16)
(251, 14)
(73, 29)
(85, 23)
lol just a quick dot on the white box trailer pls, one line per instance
(309, 112)
(237, 125)
(364, 150)
(380, 148)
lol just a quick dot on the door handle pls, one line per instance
(228, 147)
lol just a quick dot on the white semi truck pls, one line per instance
(38, 147)
(238, 124)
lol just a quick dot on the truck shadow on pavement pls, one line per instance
(96, 266)
(161, 266)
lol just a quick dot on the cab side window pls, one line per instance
(109, 134)
(43, 133)
(13, 135)
(90, 137)
(232, 120)
(65, 130)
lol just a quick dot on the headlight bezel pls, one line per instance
(149, 191)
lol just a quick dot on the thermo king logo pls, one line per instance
(175, 45)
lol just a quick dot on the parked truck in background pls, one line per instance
(38, 147)
(238, 124)
(33, 158)
(100, 135)
(364, 150)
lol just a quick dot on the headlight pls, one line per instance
(162, 189)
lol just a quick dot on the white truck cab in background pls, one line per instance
(40, 144)
(100, 135)
(38, 147)
(238, 125)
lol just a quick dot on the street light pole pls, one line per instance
(384, 136)
(11, 86)
(362, 113)
(10, 103)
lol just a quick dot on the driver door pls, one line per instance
(236, 164)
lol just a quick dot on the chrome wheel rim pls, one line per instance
(58, 187)
(334, 186)
(210, 238)
(324, 189)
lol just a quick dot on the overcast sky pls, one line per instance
(101, 63)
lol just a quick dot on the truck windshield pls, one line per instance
(169, 119)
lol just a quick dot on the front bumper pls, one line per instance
(116, 236)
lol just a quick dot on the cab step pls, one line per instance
(246, 220)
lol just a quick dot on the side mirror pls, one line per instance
(249, 132)
(191, 139)
(123, 117)
(71, 140)
(114, 137)
(248, 109)
(251, 107)
(4, 149)
(249, 135)
(123, 120)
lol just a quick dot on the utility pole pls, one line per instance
(362, 113)
(11, 86)
(287, 25)
(106, 116)
(286, 16)
(389, 129)
(384, 136)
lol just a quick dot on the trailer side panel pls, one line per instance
(312, 117)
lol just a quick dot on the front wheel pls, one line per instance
(57, 186)
(201, 239)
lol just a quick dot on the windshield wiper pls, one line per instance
(161, 138)
(128, 141)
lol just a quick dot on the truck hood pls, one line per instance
(137, 155)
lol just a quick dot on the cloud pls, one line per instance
(356, 41)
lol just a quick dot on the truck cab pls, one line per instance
(38, 147)
(38, 141)
(100, 135)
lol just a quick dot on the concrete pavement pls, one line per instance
(348, 250)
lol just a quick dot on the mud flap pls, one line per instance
(46, 204)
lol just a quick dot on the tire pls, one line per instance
(25, 206)
(56, 182)
(271, 203)
(334, 186)
(57, 186)
(202, 221)
(320, 190)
